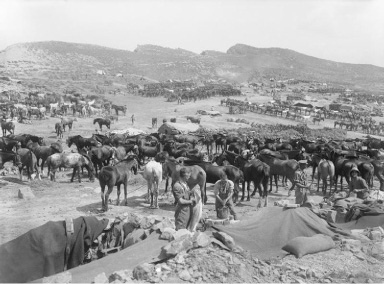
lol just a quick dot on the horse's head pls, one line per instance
(17, 160)
(70, 141)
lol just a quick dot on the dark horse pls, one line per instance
(116, 175)
(25, 138)
(7, 126)
(82, 142)
(102, 121)
(254, 171)
(119, 108)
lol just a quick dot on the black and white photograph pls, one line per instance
(192, 141)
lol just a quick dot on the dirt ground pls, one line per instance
(57, 200)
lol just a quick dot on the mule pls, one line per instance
(153, 174)
(70, 160)
(101, 156)
(171, 168)
(116, 176)
(59, 129)
(8, 144)
(43, 152)
(101, 122)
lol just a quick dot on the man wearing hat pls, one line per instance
(357, 184)
(301, 183)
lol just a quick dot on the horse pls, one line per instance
(148, 151)
(28, 160)
(53, 107)
(68, 121)
(325, 169)
(6, 156)
(70, 160)
(43, 152)
(116, 175)
(100, 156)
(25, 138)
(119, 108)
(7, 126)
(318, 119)
(213, 174)
(254, 171)
(101, 122)
(8, 144)
(82, 142)
(153, 174)
(59, 129)
(171, 168)
(280, 167)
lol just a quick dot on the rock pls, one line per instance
(177, 246)
(64, 277)
(377, 250)
(167, 234)
(360, 255)
(331, 216)
(184, 275)
(148, 221)
(143, 271)
(25, 193)
(180, 233)
(352, 245)
(165, 223)
(201, 240)
(369, 281)
(225, 239)
(245, 274)
(302, 274)
(196, 274)
(374, 235)
(101, 278)
(134, 237)
(121, 276)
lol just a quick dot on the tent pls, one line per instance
(271, 228)
(177, 128)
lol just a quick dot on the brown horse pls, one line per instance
(171, 168)
(116, 175)
(325, 169)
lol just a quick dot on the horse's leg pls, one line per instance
(118, 195)
(243, 190)
(106, 198)
(313, 170)
(73, 173)
(249, 189)
(277, 187)
(125, 192)
(20, 172)
(270, 183)
(203, 190)
(265, 186)
(166, 184)
(103, 203)
(318, 180)
(78, 173)
(260, 195)
(149, 192)
(325, 185)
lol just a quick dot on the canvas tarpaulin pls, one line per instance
(269, 229)
(364, 222)
(41, 251)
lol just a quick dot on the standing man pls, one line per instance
(357, 184)
(223, 190)
(133, 119)
(184, 200)
(301, 184)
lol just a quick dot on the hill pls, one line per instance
(57, 62)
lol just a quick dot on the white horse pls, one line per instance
(325, 169)
(54, 106)
(153, 173)
(91, 102)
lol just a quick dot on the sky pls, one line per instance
(350, 31)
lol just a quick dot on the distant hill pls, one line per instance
(60, 61)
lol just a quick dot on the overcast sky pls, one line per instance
(341, 30)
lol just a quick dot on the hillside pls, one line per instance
(54, 63)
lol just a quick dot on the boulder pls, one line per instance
(226, 239)
(180, 233)
(143, 271)
(201, 240)
(134, 237)
(184, 275)
(351, 245)
(64, 277)
(165, 223)
(167, 234)
(101, 278)
(377, 250)
(374, 235)
(25, 193)
(182, 244)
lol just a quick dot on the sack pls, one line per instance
(223, 212)
(301, 246)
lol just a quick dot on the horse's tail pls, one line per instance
(31, 164)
